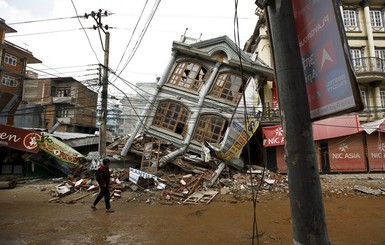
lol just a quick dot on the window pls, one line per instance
(210, 128)
(364, 99)
(356, 57)
(62, 112)
(380, 61)
(63, 92)
(172, 117)
(228, 86)
(188, 75)
(9, 81)
(350, 20)
(382, 96)
(376, 20)
(10, 59)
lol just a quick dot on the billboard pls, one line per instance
(331, 84)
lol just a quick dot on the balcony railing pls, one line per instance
(369, 64)
(270, 113)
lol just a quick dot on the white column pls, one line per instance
(369, 31)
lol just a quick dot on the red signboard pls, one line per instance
(376, 151)
(20, 139)
(330, 81)
(347, 154)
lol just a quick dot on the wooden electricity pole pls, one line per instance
(104, 97)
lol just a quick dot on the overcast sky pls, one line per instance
(49, 30)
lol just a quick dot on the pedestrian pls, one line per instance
(103, 179)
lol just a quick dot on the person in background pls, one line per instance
(103, 179)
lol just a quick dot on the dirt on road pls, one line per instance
(27, 217)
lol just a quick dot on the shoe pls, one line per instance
(110, 210)
(93, 207)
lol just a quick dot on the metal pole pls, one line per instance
(307, 209)
(103, 123)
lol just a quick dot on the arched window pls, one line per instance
(172, 117)
(228, 86)
(188, 75)
(210, 128)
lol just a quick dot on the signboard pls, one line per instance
(330, 81)
(59, 150)
(19, 139)
(347, 154)
(376, 151)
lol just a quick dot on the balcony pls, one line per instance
(270, 114)
(369, 69)
(79, 121)
(63, 100)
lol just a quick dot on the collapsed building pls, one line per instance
(199, 102)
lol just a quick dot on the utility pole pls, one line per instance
(103, 118)
(307, 209)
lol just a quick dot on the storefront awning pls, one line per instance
(322, 129)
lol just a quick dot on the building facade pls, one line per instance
(63, 104)
(13, 65)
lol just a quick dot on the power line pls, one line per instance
(44, 20)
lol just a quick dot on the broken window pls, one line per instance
(228, 86)
(188, 75)
(210, 128)
(172, 116)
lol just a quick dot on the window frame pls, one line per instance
(380, 61)
(10, 59)
(382, 97)
(364, 98)
(350, 19)
(228, 90)
(172, 116)
(208, 129)
(189, 75)
(9, 81)
(356, 54)
(62, 113)
(376, 19)
(63, 92)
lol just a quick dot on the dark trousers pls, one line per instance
(104, 192)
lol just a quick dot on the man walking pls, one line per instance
(103, 179)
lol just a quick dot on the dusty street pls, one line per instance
(27, 217)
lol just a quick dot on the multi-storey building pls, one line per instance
(365, 29)
(65, 103)
(13, 64)
(350, 147)
(197, 96)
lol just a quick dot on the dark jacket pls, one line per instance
(103, 176)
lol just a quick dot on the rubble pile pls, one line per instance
(173, 188)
